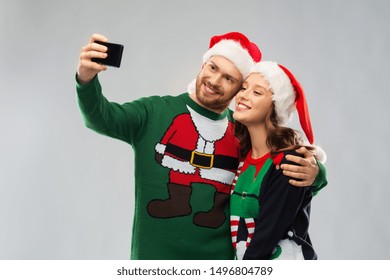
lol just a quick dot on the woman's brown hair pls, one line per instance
(279, 138)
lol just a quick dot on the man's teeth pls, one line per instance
(209, 89)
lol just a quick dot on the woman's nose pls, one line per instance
(243, 94)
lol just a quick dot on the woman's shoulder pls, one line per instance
(280, 158)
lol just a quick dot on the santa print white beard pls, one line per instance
(208, 135)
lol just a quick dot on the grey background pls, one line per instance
(67, 193)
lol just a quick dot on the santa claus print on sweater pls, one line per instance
(196, 149)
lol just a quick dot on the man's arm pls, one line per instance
(108, 118)
(309, 172)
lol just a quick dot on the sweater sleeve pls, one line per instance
(122, 122)
(278, 209)
(321, 179)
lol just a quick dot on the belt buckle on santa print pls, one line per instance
(201, 160)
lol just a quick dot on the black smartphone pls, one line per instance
(114, 54)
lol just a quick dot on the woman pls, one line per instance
(269, 217)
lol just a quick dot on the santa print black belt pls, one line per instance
(201, 160)
(244, 194)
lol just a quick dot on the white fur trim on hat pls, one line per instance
(280, 84)
(233, 51)
(319, 154)
(192, 87)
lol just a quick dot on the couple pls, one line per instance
(187, 151)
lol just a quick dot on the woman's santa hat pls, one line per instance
(237, 48)
(288, 96)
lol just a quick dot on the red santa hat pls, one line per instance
(237, 48)
(288, 96)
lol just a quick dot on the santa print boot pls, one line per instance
(178, 203)
(216, 216)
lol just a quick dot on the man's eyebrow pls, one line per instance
(213, 63)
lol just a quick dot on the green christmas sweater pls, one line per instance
(185, 161)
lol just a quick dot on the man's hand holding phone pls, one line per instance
(96, 55)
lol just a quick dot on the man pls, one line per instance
(185, 152)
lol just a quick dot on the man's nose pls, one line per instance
(215, 80)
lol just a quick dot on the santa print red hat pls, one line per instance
(288, 95)
(236, 47)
